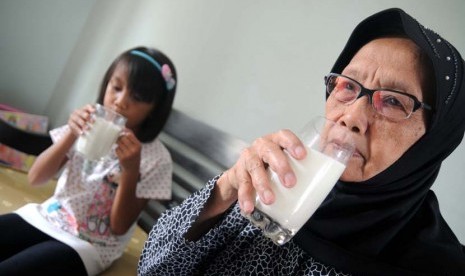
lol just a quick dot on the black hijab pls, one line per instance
(391, 223)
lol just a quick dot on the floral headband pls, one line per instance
(165, 69)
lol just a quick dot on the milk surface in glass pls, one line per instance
(97, 142)
(316, 176)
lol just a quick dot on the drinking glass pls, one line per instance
(329, 147)
(105, 128)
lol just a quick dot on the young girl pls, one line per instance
(86, 224)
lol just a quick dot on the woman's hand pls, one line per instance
(79, 119)
(248, 176)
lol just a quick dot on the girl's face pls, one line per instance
(388, 63)
(118, 97)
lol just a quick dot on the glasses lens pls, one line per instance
(342, 88)
(393, 104)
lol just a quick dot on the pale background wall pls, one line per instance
(247, 67)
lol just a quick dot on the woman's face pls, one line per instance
(382, 63)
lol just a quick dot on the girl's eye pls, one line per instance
(115, 85)
(117, 88)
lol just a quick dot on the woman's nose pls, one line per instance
(358, 115)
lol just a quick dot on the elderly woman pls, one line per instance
(381, 218)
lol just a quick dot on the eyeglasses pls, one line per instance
(392, 104)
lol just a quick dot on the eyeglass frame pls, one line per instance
(417, 104)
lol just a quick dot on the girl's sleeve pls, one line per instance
(58, 133)
(167, 252)
(156, 173)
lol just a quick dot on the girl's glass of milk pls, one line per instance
(329, 147)
(105, 129)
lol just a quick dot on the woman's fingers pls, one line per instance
(255, 171)
(274, 150)
(287, 140)
(245, 191)
(249, 175)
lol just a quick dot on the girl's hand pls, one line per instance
(127, 206)
(129, 151)
(79, 120)
(249, 177)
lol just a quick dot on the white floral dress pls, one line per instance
(78, 213)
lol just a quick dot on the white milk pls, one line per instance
(316, 176)
(97, 142)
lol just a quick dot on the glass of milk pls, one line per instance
(329, 147)
(106, 126)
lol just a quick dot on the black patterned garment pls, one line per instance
(233, 247)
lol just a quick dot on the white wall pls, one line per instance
(247, 67)
(36, 39)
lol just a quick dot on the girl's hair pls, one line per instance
(152, 78)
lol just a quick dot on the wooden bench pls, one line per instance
(198, 150)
